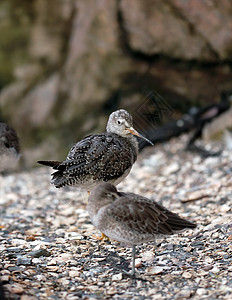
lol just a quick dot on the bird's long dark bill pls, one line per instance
(48, 163)
(134, 132)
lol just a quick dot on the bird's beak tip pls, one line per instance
(134, 132)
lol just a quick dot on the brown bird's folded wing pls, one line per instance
(139, 216)
(145, 216)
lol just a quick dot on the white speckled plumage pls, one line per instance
(104, 157)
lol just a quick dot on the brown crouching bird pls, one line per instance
(130, 218)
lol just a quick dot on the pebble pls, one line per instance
(40, 277)
(117, 277)
(148, 257)
(39, 253)
(36, 261)
(14, 249)
(14, 288)
(27, 297)
(63, 281)
(154, 270)
(201, 292)
(215, 270)
(24, 261)
(184, 294)
(5, 278)
(111, 291)
(187, 274)
(138, 263)
(74, 273)
(52, 268)
(18, 242)
(171, 168)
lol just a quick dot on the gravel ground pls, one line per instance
(48, 250)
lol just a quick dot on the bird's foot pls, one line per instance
(131, 273)
(101, 238)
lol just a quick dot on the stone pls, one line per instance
(148, 257)
(172, 168)
(155, 270)
(117, 277)
(39, 253)
(24, 261)
(187, 275)
(74, 273)
(5, 278)
(14, 288)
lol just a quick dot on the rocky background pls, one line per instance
(65, 65)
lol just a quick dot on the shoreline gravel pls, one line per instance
(48, 250)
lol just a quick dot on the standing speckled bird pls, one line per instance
(131, 218)
(104, 157)
(9, 148)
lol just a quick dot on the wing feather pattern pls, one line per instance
(102, 157)
(145, 216)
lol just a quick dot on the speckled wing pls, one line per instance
(101, 157)
(9, 136)
(145, 216)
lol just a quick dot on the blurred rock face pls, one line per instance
(185, 30)
(87, 58)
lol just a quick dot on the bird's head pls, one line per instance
(121, 123)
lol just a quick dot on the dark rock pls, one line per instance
(12, 255)
(12, 269)
(198, 245)
(39, 253)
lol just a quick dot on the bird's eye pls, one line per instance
(119, 122)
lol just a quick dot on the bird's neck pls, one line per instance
(128, 137)
(94, 206)
(133, 141)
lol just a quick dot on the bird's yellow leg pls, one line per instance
(100, 238)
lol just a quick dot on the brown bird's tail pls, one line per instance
(177, 223)
(50, 163)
